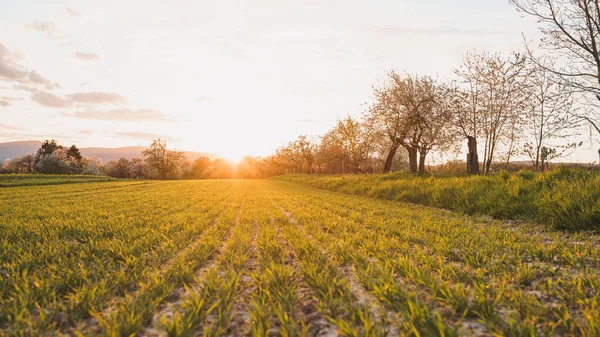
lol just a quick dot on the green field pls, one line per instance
(275, 258)
(12, 180)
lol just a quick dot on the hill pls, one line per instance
(12, 149)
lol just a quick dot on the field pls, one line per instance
(12, 180)
(275, 258)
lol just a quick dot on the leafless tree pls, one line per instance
(571, 31)
(491, 96)
(550, 118)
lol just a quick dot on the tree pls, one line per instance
(412, 112)
(137, 169)
(344, 148)
(162, 162)
(73, 152)
(571, 31)
(48, 147)
(199, 167)
(489, 103)
(388, 118)
(57, 162)
(221, 169)
(117, 168)
(247, 168)
(549, 118)
(92, 166)
(24, 164)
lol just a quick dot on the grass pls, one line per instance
(564, 198)
(13, 180)
(269, 257)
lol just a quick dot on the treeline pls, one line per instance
(495, 108)
(52, 158)
(156, 162)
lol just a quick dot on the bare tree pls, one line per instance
(550, 118)
(571, 30)
(489, 102)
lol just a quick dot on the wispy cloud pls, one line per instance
(50, 100)
(13, 71)
(35, 77)
(121, 114)
(46, 27)
(387, 30)
(4, 103)
(204, 99)
(86, 56)
(86, 132)
(82, 98)
(72, 12)
(97, 98)
(7, 98)
(144, 135)
(10, 127)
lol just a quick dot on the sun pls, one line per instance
(233, 156)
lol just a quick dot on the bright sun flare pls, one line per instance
(233, 156)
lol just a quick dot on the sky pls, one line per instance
(228, 77)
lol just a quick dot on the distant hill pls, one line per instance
(12, 149)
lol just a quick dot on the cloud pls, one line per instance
(50, 100)
(86, 132)
(204, 99)
(86, 56)
(11, 70)
(6, 98)
(121, 114)
(4, 103)
(72, 12)
(24, 88)
(97, 98)
(34, 77)
(433, 31)
(10, 127)
(44, 27)
(144, 135)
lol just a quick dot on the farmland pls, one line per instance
(275, 258)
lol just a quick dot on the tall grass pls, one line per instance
(566, 198)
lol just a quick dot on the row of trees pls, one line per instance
(521, 105)
(509, 105)
(52, 158)
(156, 162)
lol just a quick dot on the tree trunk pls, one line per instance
(422, 157)
(390, 158)
(488, 165)
(472, 158)
(412, 159)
